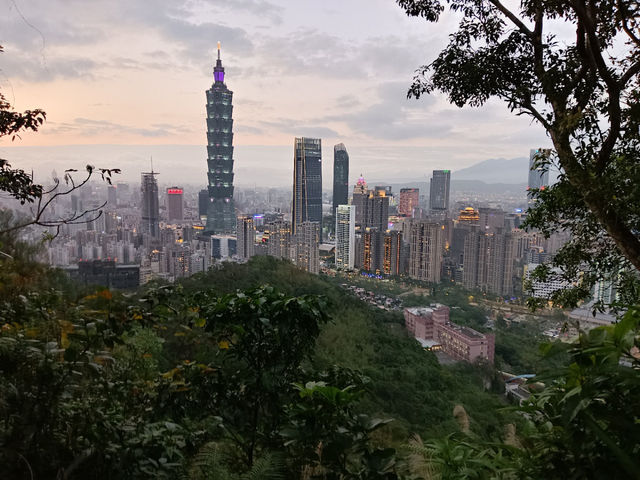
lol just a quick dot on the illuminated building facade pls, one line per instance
(409, 199)
(279, 244)
(377, 210)
(392, 252)
(175, 204)
(469, 215)
(307, 182)
(221, 216)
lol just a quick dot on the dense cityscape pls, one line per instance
(144, 232)
(383, 323)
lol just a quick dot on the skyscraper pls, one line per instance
(174, 203)
(307, 182)
(439, 192)
(150, 206)
(376, 214)
(340, 175)
(538, 175)
(392, 252)
(221, 216)
(490, 219)
(246, 234)
(112, 196)
(345, 236)
(409, 199)
(307, 246)
(426, 244)
(488, 261)
(359, 200)
(279, 245)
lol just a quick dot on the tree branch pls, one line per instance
(511, 16)
(625, 26)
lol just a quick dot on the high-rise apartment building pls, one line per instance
(246, 236)
(175, 204)
(490, 219)
(489, 260)
(221, 217)
(280, 243)
(359, 200)
(340, 175)
(392, 252)
(439, 192)
(345, 237)
(538, 175)
(376, 212)
(409, 199)
(150, 205)
(426, 245)
(307, 182)
(369, 250)
(308, 246)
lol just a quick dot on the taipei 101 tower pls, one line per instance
(221, 217)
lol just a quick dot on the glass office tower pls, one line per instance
(307, 182)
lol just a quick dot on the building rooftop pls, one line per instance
(427, 343)
(466, 331)
(424, 310)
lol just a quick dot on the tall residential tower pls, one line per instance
(345, 237)
(221, 216)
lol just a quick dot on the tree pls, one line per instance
(585, 91)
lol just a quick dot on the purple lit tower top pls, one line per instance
(218, 71)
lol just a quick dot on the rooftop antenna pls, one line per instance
(218, 49)
(151, 156)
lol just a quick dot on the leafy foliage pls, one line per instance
(584, 93)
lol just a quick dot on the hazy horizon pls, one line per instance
(254, 164)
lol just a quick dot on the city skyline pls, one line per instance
(156, 66)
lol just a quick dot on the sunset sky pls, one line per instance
(112, 74)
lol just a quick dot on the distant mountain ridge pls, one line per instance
(496, 170)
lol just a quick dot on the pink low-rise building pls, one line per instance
(431, 325)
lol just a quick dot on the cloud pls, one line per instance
(46, 69)
(249, 130)
(393, 117)
(88, 127)
(300, 128)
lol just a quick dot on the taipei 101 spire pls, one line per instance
(221, 216)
